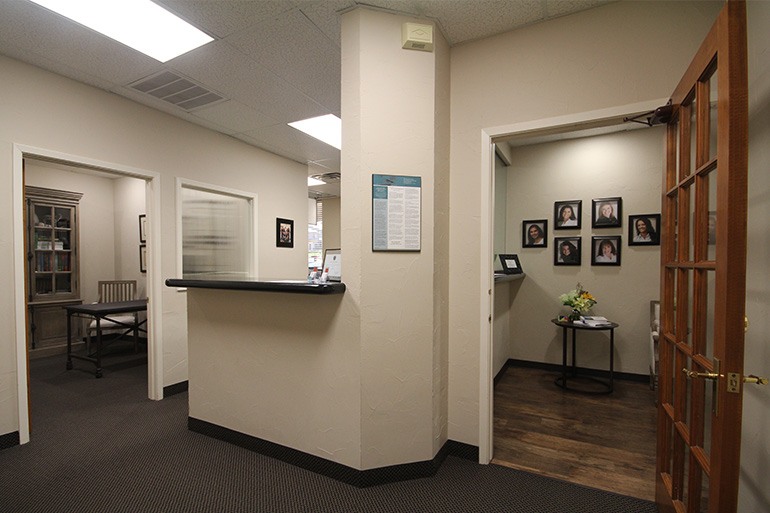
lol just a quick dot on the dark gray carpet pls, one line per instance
(101, 446)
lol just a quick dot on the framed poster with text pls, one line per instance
(396, 212)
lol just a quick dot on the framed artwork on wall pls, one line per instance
(143, 258)
(644, 230)
(566, 214)
(606, 212)
(284, 233)
(534, 233)
(567, 250)
(142, 228)
(605, 250)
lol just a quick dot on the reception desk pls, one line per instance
(274, 365)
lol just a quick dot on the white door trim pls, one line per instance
(487, 165)
(154, 282)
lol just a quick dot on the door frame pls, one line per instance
(567, 123)
(154, 282)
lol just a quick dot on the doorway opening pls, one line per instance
(125, 250)
(538, 263)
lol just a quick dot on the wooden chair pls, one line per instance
(113, 291)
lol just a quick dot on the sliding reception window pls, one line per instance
(218, 231)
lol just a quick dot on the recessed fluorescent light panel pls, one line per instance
(326, 128)
(314, 181)
(140, 24)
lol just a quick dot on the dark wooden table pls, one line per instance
(99, 312)
(607, 386)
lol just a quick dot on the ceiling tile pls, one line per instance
(314, 58)
(325, 15)
(224, 70)
(489, 17)
(236, 116)
(292, 140)
(70, 44)
(556, 8)
(222, 18)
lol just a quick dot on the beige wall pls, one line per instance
(628, 165)
(44, 110)
(129, 203)
(617, 54)
(754, 495)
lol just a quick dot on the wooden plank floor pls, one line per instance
(601, 441)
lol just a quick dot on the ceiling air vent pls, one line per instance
(327, 177)
(177, 90)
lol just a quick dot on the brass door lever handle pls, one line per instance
(707, 375)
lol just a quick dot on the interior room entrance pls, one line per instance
(80, 226)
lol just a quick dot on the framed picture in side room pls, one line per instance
(566, 214)
(712, 226)
(284, 233)
(143, 258)
(511, 264)
(142, 228)
(534, 233)
(567, 250)
(606, 212)
(644, 230)
(605, 250)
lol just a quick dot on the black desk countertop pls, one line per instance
(229, 282)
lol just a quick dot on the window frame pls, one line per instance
(251, 200)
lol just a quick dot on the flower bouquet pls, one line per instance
(579, 300)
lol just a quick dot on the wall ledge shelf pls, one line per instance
(257, 285)
(501, 277)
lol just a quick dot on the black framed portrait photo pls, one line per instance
(606, 212)
(567, 250)
(605, 250)
(644, 230)
(534, 233)
(284, 233)
(566, 214)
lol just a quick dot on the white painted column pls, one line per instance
(395, 121)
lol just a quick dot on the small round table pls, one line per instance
(562, 380)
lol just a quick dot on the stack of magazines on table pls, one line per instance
(594, 321)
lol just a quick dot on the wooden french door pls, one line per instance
(703, 276)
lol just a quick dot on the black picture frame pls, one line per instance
(527, 240)
(142, 228)
(573, 245)
(599, 242)
(511, 264)
(284, 232)
(646, 234)
(611, 219)
(142, 258)
(571, 223)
